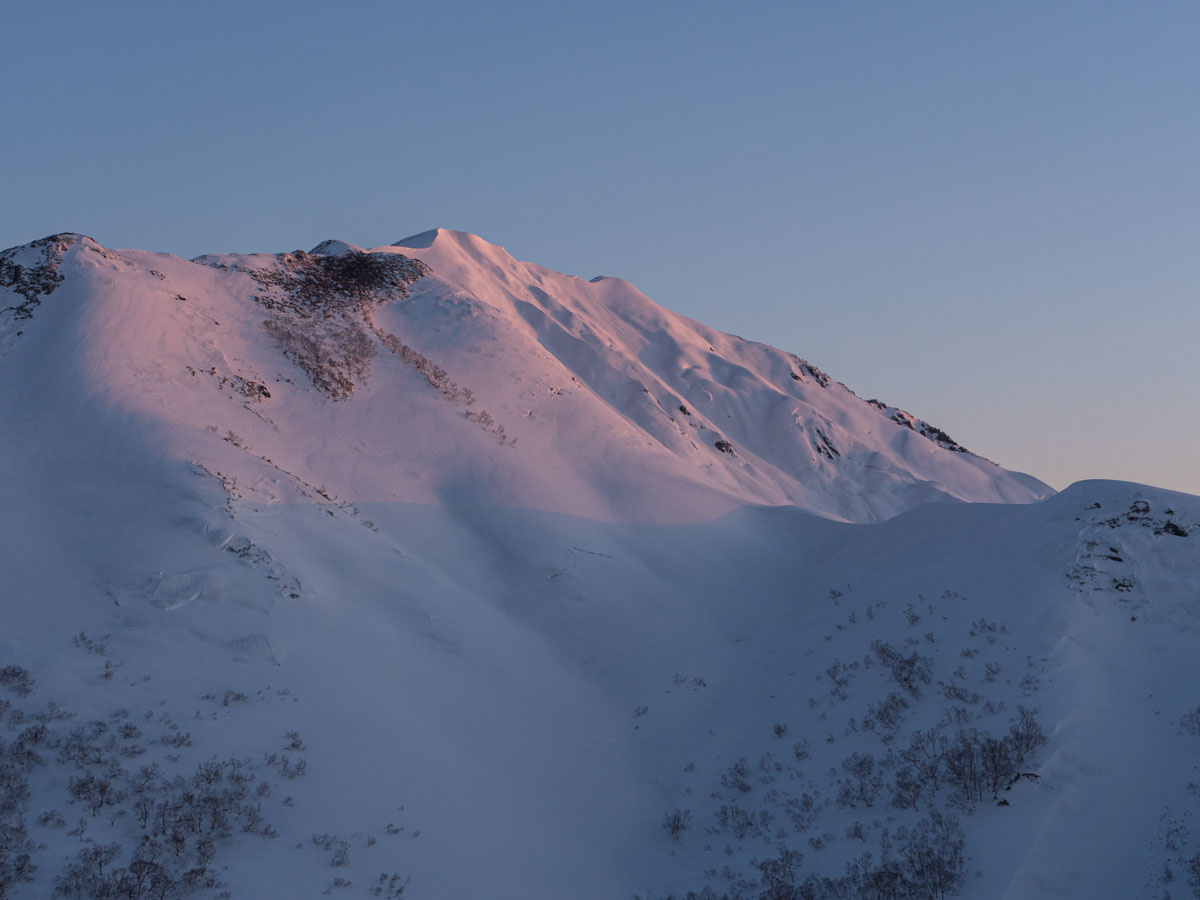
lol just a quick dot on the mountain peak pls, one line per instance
(441, 237)
(333, 247)
(422, 240)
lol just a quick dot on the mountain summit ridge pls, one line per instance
(622, 409)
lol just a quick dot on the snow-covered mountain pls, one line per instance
(445, 364)
(520, 585)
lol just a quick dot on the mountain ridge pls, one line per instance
(735, 420)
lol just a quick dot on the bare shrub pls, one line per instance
(676, 822)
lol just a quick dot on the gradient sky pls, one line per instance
(988, 214)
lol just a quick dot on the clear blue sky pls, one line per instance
(986, 213)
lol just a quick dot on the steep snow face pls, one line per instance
(449, 366)
(783, 432)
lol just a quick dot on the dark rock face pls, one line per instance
(32, 281)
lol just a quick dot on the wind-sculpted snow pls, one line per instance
(783, 430)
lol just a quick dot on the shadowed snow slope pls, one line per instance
(429, 562)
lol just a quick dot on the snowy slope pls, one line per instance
(605, 404)
(504, 663)
(796, 436)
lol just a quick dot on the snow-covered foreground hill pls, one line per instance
(421, 572)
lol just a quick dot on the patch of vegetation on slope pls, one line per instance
(141, 816)
(319, 309)
(887, 794)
